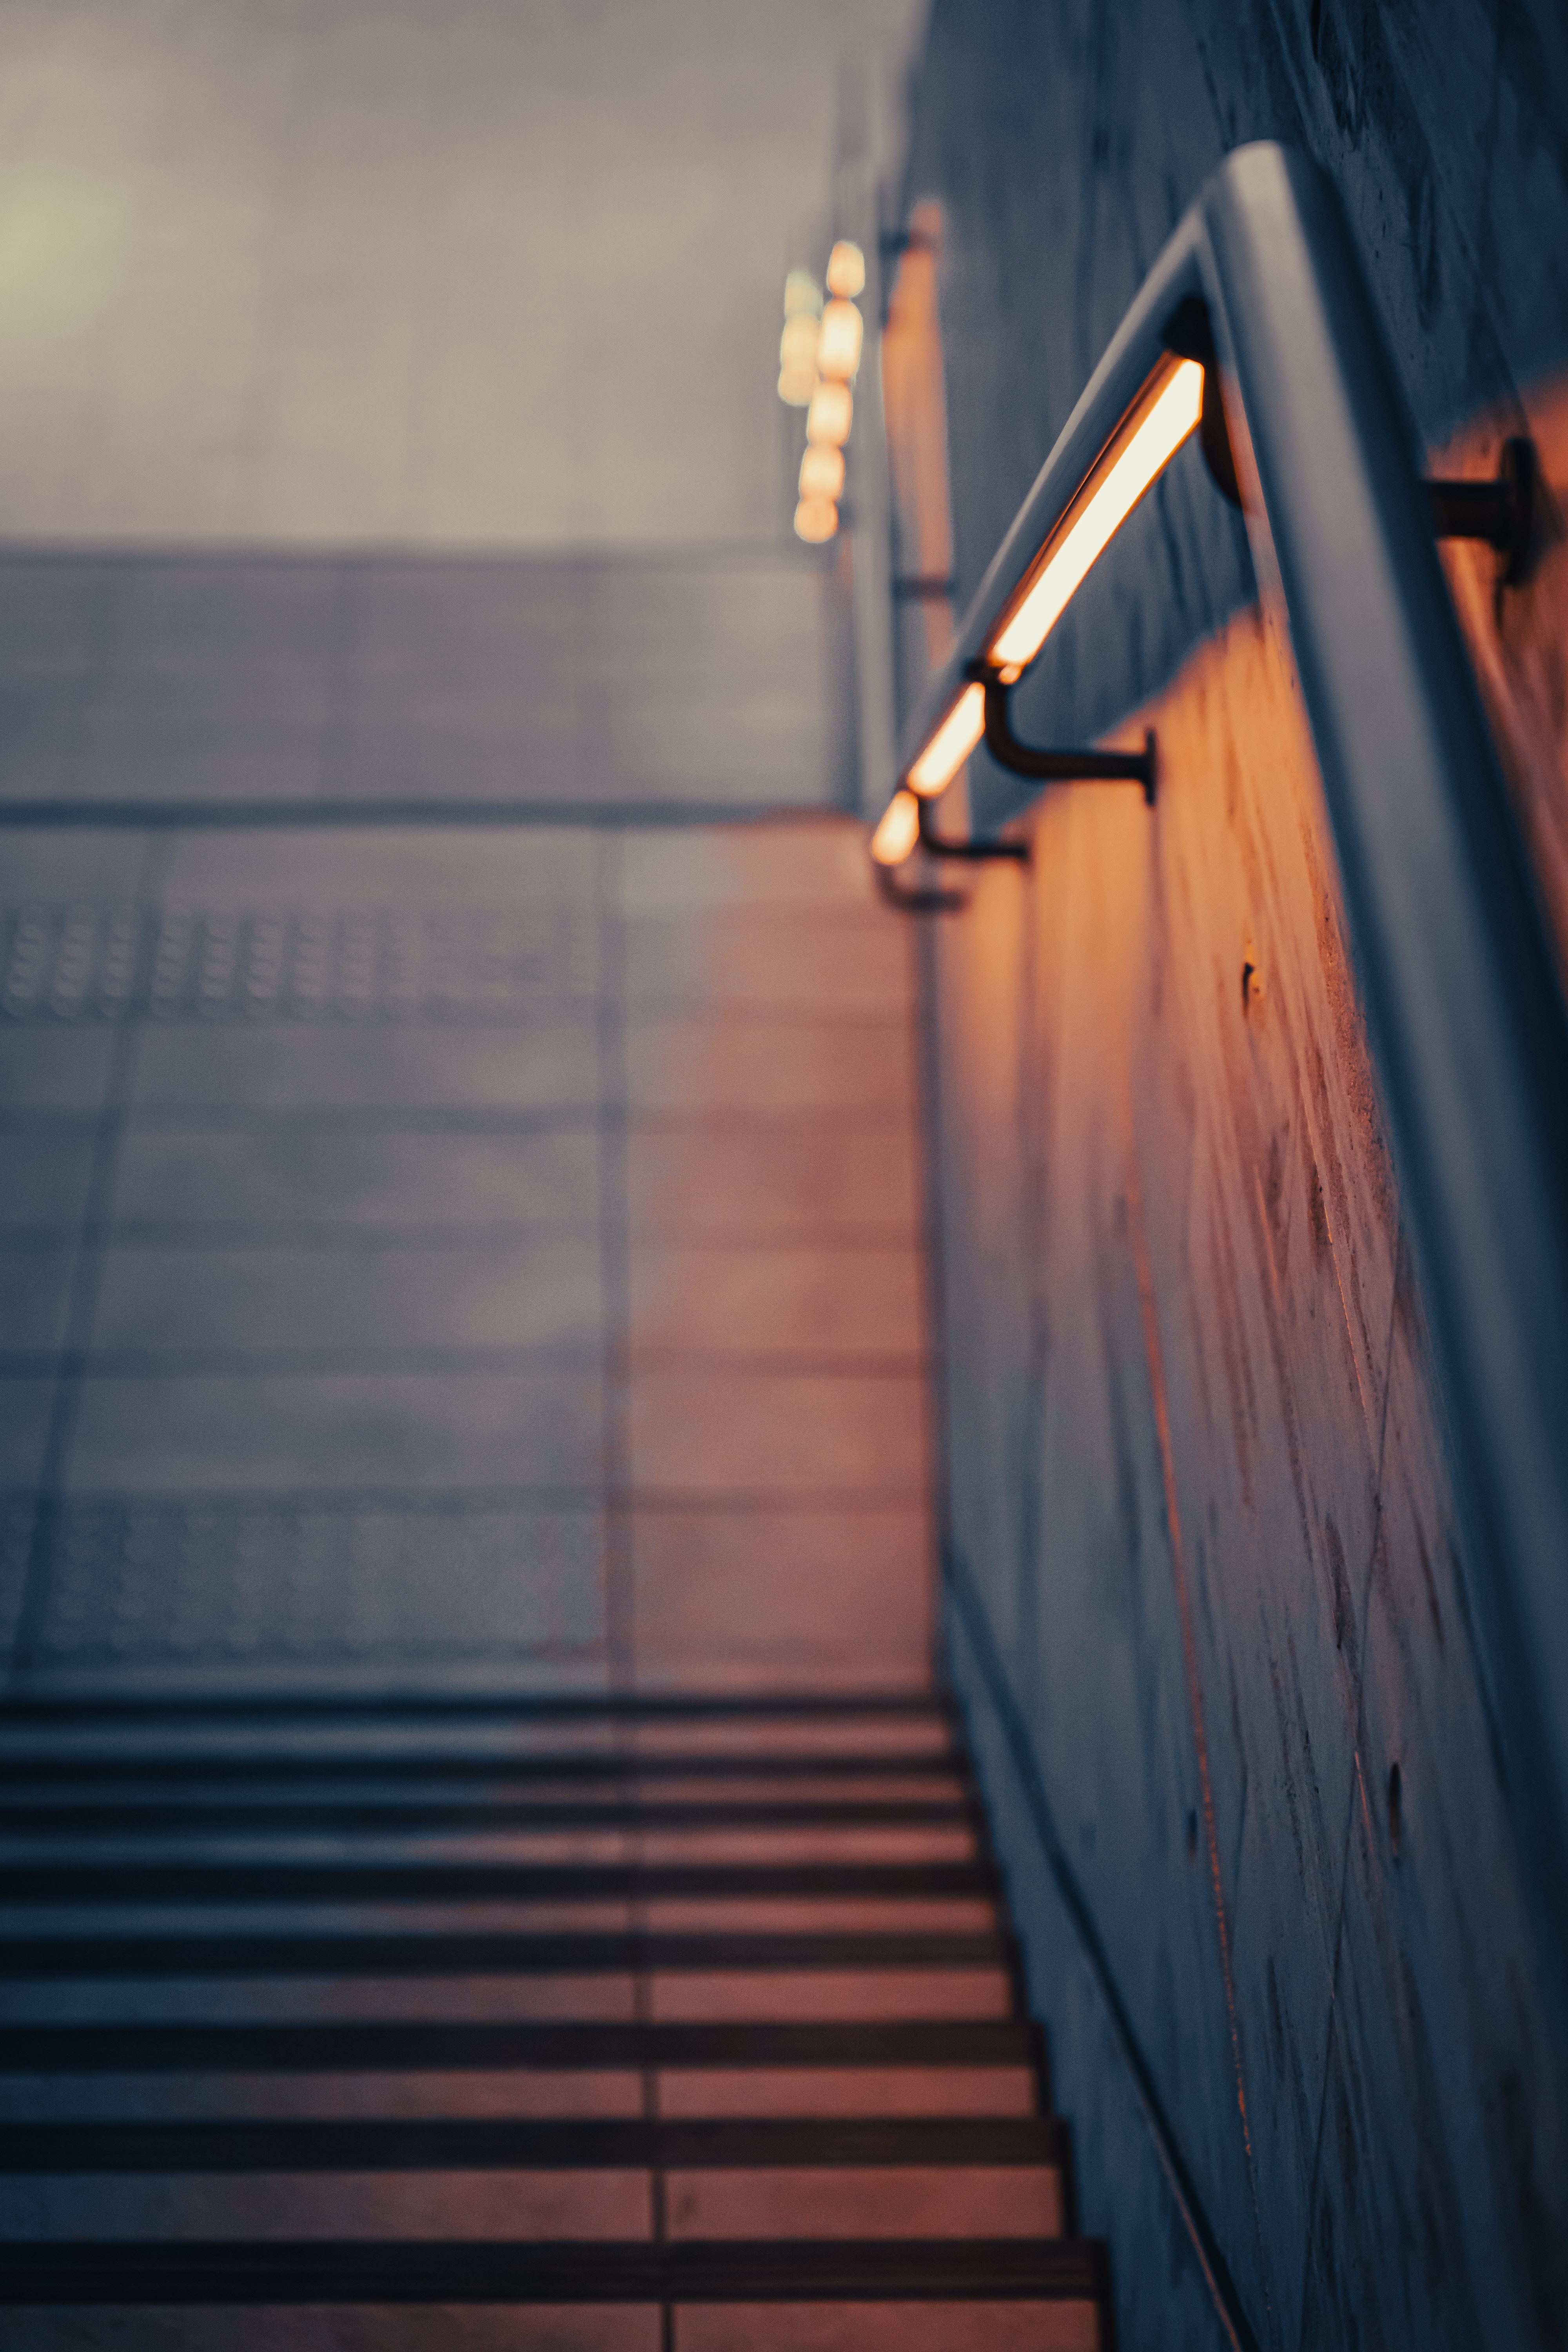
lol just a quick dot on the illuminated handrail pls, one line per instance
(1464, 1009)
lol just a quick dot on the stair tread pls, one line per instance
(685, 2007)
(523, 2093)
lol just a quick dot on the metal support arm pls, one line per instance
(938, 845)
(1500, 511)
(1058, 767)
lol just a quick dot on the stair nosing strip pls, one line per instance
(35, 1959)
(602, 2271)
(416, 2045)
(598, 1764)
(318, 2146)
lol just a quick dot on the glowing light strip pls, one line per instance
(952, 744)
(1172, 414)
(899, 831)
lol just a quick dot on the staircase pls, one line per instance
(673, 2024)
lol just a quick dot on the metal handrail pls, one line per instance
(1463, 1008)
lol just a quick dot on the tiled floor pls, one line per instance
(410, 1264)
(476, 1835)
(481, 1861)
(168, 681)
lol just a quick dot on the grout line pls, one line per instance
(412, 1359)
(620, 1624)
(385, 552)
(147, 815)
(926, 1044)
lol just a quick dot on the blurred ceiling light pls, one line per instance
(803, 296)
(899, 831)
(839, 344)
(815, 519)
(821, 470)
(846, 270)
(828, 417)
(1167, 414)
(797, 344)
(797, 359)
(952, 744)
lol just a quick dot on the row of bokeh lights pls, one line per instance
(819, 357)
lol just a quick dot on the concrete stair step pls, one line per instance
(683, 2026)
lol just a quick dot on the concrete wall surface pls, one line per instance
(1207, 1597)
(1064, 142)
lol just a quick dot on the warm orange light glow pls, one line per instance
(899, 831)
(815, 519)
(846, 270)
(1166, 418)
(838, 345)
(822, 471)
(803, 296)
(797, 359)
(828, 417)
(797, 344)
(952, 744)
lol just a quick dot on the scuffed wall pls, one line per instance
(1207, 1596)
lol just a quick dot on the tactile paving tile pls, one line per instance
(86, 961)
(184, 1583)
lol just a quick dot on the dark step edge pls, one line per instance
(331, 1881)
(400, 2144)
(40, 1959)
(474, 2270)
(426, 1707)
(29, 1767)
(423, 2046)
(390, 1817)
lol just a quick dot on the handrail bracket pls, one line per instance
(1501, 511)
(940, 845)
(1056, 767)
